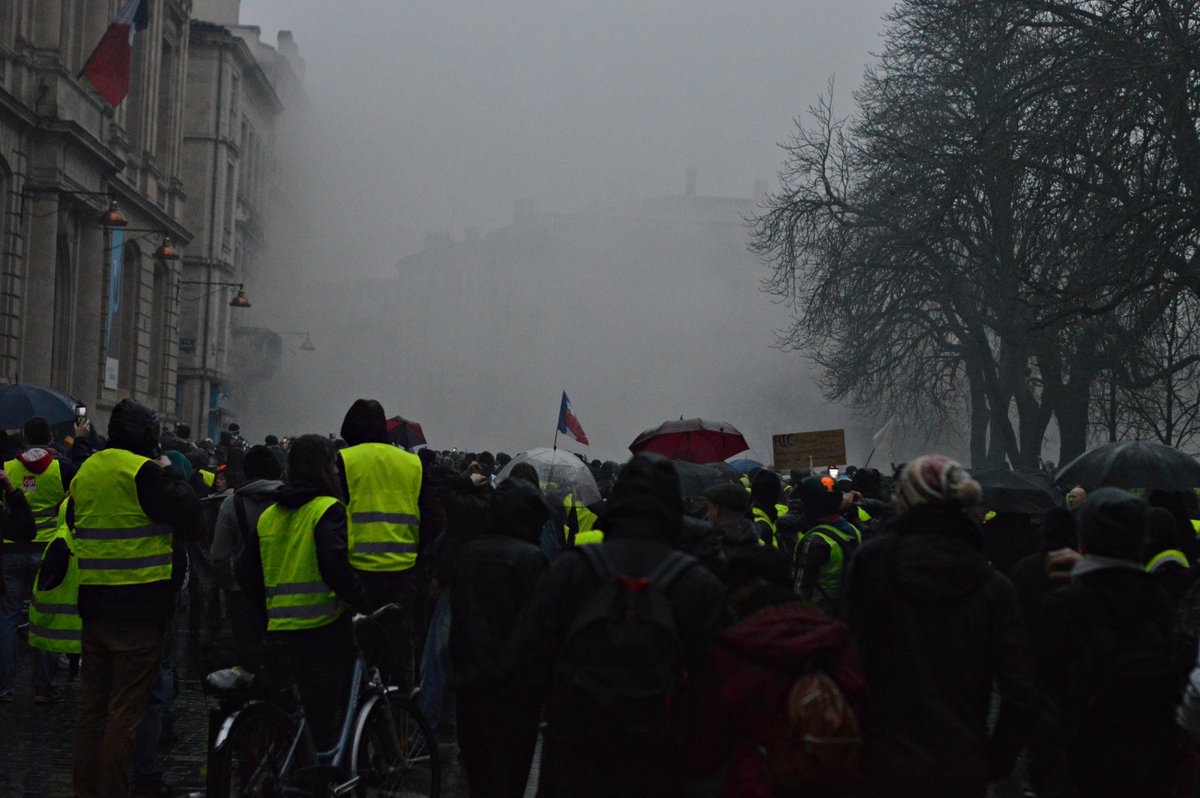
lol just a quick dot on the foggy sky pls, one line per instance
(439, 116)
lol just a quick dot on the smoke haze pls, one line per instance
(433, 118)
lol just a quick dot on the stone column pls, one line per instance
(91, 263)
(37, 301)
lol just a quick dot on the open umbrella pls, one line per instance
(695, 478)
(744, 465)
(695, 440)
(403, 432)
(1006, 492)
(1131, 464)
(556, 467)
(19, 403)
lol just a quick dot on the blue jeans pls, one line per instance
(437, 699)
(19, 571)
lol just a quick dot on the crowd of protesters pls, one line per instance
(808, 633)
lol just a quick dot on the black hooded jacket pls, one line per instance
(330, 538)
(497, 572)
(937, 626)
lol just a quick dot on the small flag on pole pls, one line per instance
(568, 424)
(108, 67)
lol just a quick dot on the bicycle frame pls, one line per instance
(302, 750)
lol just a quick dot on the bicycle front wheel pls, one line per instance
(394, 753)
(249, 761)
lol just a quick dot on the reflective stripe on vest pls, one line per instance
(54, 622)
(1167, 555)
(297, 596)
(384, 483)
(43, 491)
(116, 542)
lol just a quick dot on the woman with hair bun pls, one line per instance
(937, 627)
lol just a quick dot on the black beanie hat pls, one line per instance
(365, 422)
(765, 487)
(822, 496)
(1112, 523)
(648, 489)
(261, 463)
(728, 495)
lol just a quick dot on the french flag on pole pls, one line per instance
(568, 424)
(108, 67)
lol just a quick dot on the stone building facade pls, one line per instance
(64, 153)
(189, 153)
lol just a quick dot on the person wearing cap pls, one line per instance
(726, 514)
(938, 629)
(582, 758)
(1106, 663)
(822, 555)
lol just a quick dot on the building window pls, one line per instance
(160, 334)
(131, 294)
(63, 339)
(166, 109)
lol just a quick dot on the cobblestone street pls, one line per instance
(36, 740)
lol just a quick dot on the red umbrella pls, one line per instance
(693, 439)
(403, 432)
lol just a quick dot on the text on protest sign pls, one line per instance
(803, 449)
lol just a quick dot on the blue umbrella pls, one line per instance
(744, 465)
(19, 403)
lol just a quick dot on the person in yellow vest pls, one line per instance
(308, 588)
(823, 555)
(580, 527)
(126, 511)
(17, 531)
(391, 512)
(54, 623)
(765, 490)
(44, 481)
(1164, 554)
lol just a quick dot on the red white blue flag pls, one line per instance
(568, 424)
(109, 66)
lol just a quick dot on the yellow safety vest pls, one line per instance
(116, 542)
(54, 622)
(829, 581)
(586, 532)
(385, 519)
(208, 477)
(1166, 556)
(1196, 526)
(43, 491)
(863, 515)
(297, 596)
(761, 515)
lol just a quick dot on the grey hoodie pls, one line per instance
(228, 539)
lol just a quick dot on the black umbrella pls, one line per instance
(1131, 464)
(19, 403)
(403, 432)
(1006, 492)
(695, 478)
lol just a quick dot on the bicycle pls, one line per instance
(263, 747)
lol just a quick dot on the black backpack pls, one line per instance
(1124, 694)
(621, 672)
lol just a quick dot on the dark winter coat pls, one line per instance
(937, 627)
(1117, 600)
(569, 767)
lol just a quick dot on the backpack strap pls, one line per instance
(670, 569)
(598, 558)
